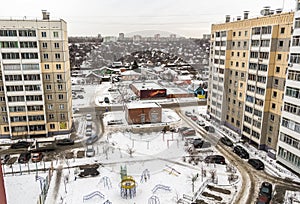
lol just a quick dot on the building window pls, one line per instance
(46, 56)
(242, 75)
(57, 55)
(58, 66)
(282, 30)
(49, 97)
(277, 69)
(245, 43)
(232, 54)
(274, 94)
(44, 45)
(244, 54)
(246, 33)
(60, 96)
(62, 116)
(272, 117)
(279, 56)
(6, 129)
(59, 77)
(280, 43)
(48, 87)
(240, 33)
(46, 66)
(271, 128)
(52, 126)
(60, 87)
(276, 82)
(233, 34)
(50, 107)
(44, 34)
(51, 116)
(47, 76)
(61, 106)
(55, 34)
(56, 45)
(273, 105)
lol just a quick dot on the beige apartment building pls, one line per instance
(248, 63)
(35, 84)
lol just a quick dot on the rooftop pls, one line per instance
(146, 85)
(142, 105)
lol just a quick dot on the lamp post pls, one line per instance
(2, 187)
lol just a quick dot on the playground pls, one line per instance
(147, 168)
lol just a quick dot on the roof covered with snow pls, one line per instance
(142, 105)
(146, 85)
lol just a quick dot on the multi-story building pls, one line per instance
(288, 149)
(35, 86)
(247, 74)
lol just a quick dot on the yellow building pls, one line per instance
(248, 63)
(35, 85)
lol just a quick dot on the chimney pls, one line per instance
(238, 18)
(246, 15)
(46, 15)
(227, 20)
(279, 10)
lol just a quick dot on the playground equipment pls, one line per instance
(106, 182)
(153, 200)
(171, 170)
(128, 184)
(145, 175)
(91, 195)
(162, 187)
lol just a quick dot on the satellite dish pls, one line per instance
(263, 12)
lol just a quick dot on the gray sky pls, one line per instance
(189, 18)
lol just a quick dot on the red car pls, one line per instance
(194, 118)
(36, 157)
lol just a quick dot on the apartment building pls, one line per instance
(35, 85)
(248, 62)
(288, 149)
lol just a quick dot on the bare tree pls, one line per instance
(193, 179)
(130, 151)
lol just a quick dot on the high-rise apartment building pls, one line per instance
(248, 62)
(288, 150)
(35, 86)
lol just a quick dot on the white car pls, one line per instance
(89, 117)
(90, 151)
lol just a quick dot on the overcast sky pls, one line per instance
(189, 18)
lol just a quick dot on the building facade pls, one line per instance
(35, 84)
(288, 149)
(248, 62)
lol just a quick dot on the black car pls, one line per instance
(241, 152)
(24, 157)
(216, 159)
(89, 172)
(65, 141)
(5, 158)
(266, 190)
(20, 144)
(226, 141)
(198, 143)
(257, 164)
(210, 129)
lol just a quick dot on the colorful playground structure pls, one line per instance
(127, 185)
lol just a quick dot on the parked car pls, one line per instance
(188, 113)
(80, 96)
(189, 132)
(262, 200)
(90, 151)
(198, 143)
(89, 172)
(24, 157)
(226, 141)
(200, 122)
(182, 129)
(257, 164)
(5, 158)
(89, 117)
(65, 141)
(210, 129)
(194, 118)
(92, 139)
(75, 110)
(20, 144)
(216, 159)
(36, 157)
(266, 190)
(106, 100)
(241, 152)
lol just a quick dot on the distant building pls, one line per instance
(148, 90)
(110, 39)
(143, 113)
(157, 37)
(137, 38)
(35, 82)
(206, 36)
(121, 37)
